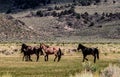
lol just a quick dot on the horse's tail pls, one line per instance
(59, 54)
(97, 51)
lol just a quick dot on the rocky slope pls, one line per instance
(62, 23)
(12, 29)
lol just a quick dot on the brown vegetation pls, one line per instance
(12, 29)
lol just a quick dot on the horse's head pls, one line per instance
(80, 46)
(43, 46)
(23, 45)
(23, 48)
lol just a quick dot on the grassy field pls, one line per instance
(70, 64)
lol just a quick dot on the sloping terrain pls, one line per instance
(62, 23)
(57, 30)
(12, 29)
(89, 27)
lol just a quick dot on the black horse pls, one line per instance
(88, 51)
(28, 50)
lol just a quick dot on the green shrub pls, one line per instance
(88, 66)
(50, 8)
(71, 10)
(57, 8)
(105, 54)
(54, 14)
(39, 13)
(78, 16)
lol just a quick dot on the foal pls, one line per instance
(28, 50)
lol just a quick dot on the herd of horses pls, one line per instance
(49, 50)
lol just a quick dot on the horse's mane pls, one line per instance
(45, 45)
(82, 46)
(24, 45)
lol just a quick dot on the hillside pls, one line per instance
(63, 22)
(12, 29)
(92, 27)
(10, 6)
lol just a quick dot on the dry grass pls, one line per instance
(70, 64)
(99, 9)
(111, 71)
(7, 74)
(83, 74)
(67, 48)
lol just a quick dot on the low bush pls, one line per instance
(111, 71)
(39, 13)
(83, 74)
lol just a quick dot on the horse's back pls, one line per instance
(89, 51)
(52, 50)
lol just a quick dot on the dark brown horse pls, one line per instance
(28, 50)
(88, 51)
(47, 50)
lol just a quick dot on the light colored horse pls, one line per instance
(47, 50)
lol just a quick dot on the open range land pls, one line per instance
(64, 24)
(11, 64)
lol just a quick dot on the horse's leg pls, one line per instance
(26, 58)
(94, 58)
(84, 57)
(55, 58)
(47, 57)
(37, 57)
(29, 57)
(59, 54)
(23, 58)
(59, 57)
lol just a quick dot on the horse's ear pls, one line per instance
(80, 44)
(40, 44)
(23, 44)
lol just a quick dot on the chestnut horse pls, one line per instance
(47, 50)
(28, 50)
(88, 51)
